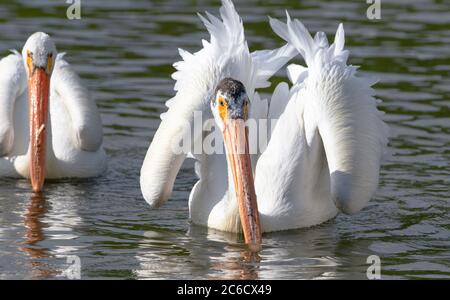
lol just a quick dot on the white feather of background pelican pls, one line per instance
(324, 153)
(49, 125)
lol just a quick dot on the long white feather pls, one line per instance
(86, 125)
(339, 107)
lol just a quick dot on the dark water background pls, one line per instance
(124, 51)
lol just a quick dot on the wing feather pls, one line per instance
(84, 115)
(12, 84)
(225, 55)
(342, 107)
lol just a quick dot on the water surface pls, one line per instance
(124, 51)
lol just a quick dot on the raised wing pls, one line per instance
(342, 107)
(268, 62)
(225, 55)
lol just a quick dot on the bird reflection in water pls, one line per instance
(238, 262)
(34, 234)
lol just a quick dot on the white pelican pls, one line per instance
(325, 150)
(63, 135)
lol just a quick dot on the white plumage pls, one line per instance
(325, 151)
(75, 135)
(226, 55)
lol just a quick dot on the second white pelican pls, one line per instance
(49, 125)
(323, 155)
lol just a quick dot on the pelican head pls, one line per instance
(39, 52)
(39, 55)
(230, 107)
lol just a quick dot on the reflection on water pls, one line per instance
(45, 222)
(124, 51)
(301, 254)
(34, 234)
(222, 254)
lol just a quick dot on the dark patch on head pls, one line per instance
(232, 88)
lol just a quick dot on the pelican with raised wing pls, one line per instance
(49, 125)
(324, 152)
(219, 80)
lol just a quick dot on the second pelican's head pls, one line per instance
(39, 55)
(230, 107)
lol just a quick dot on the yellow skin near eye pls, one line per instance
(223, 108)
(49, 62)
(29, 61)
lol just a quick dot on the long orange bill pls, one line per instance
(236, 142)
(38, 93)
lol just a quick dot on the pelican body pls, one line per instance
(49, 125)
(323, 155)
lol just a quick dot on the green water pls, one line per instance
(124, 51)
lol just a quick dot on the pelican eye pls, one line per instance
(221, 101)
(222, 108)
(30, 60)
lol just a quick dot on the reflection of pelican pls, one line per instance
(235, 262)
(35, 211)
(51, 223)
(34, 234)
(239, 264)
(64, 135)
(205, 253)
(323, 155)
(201, 254)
